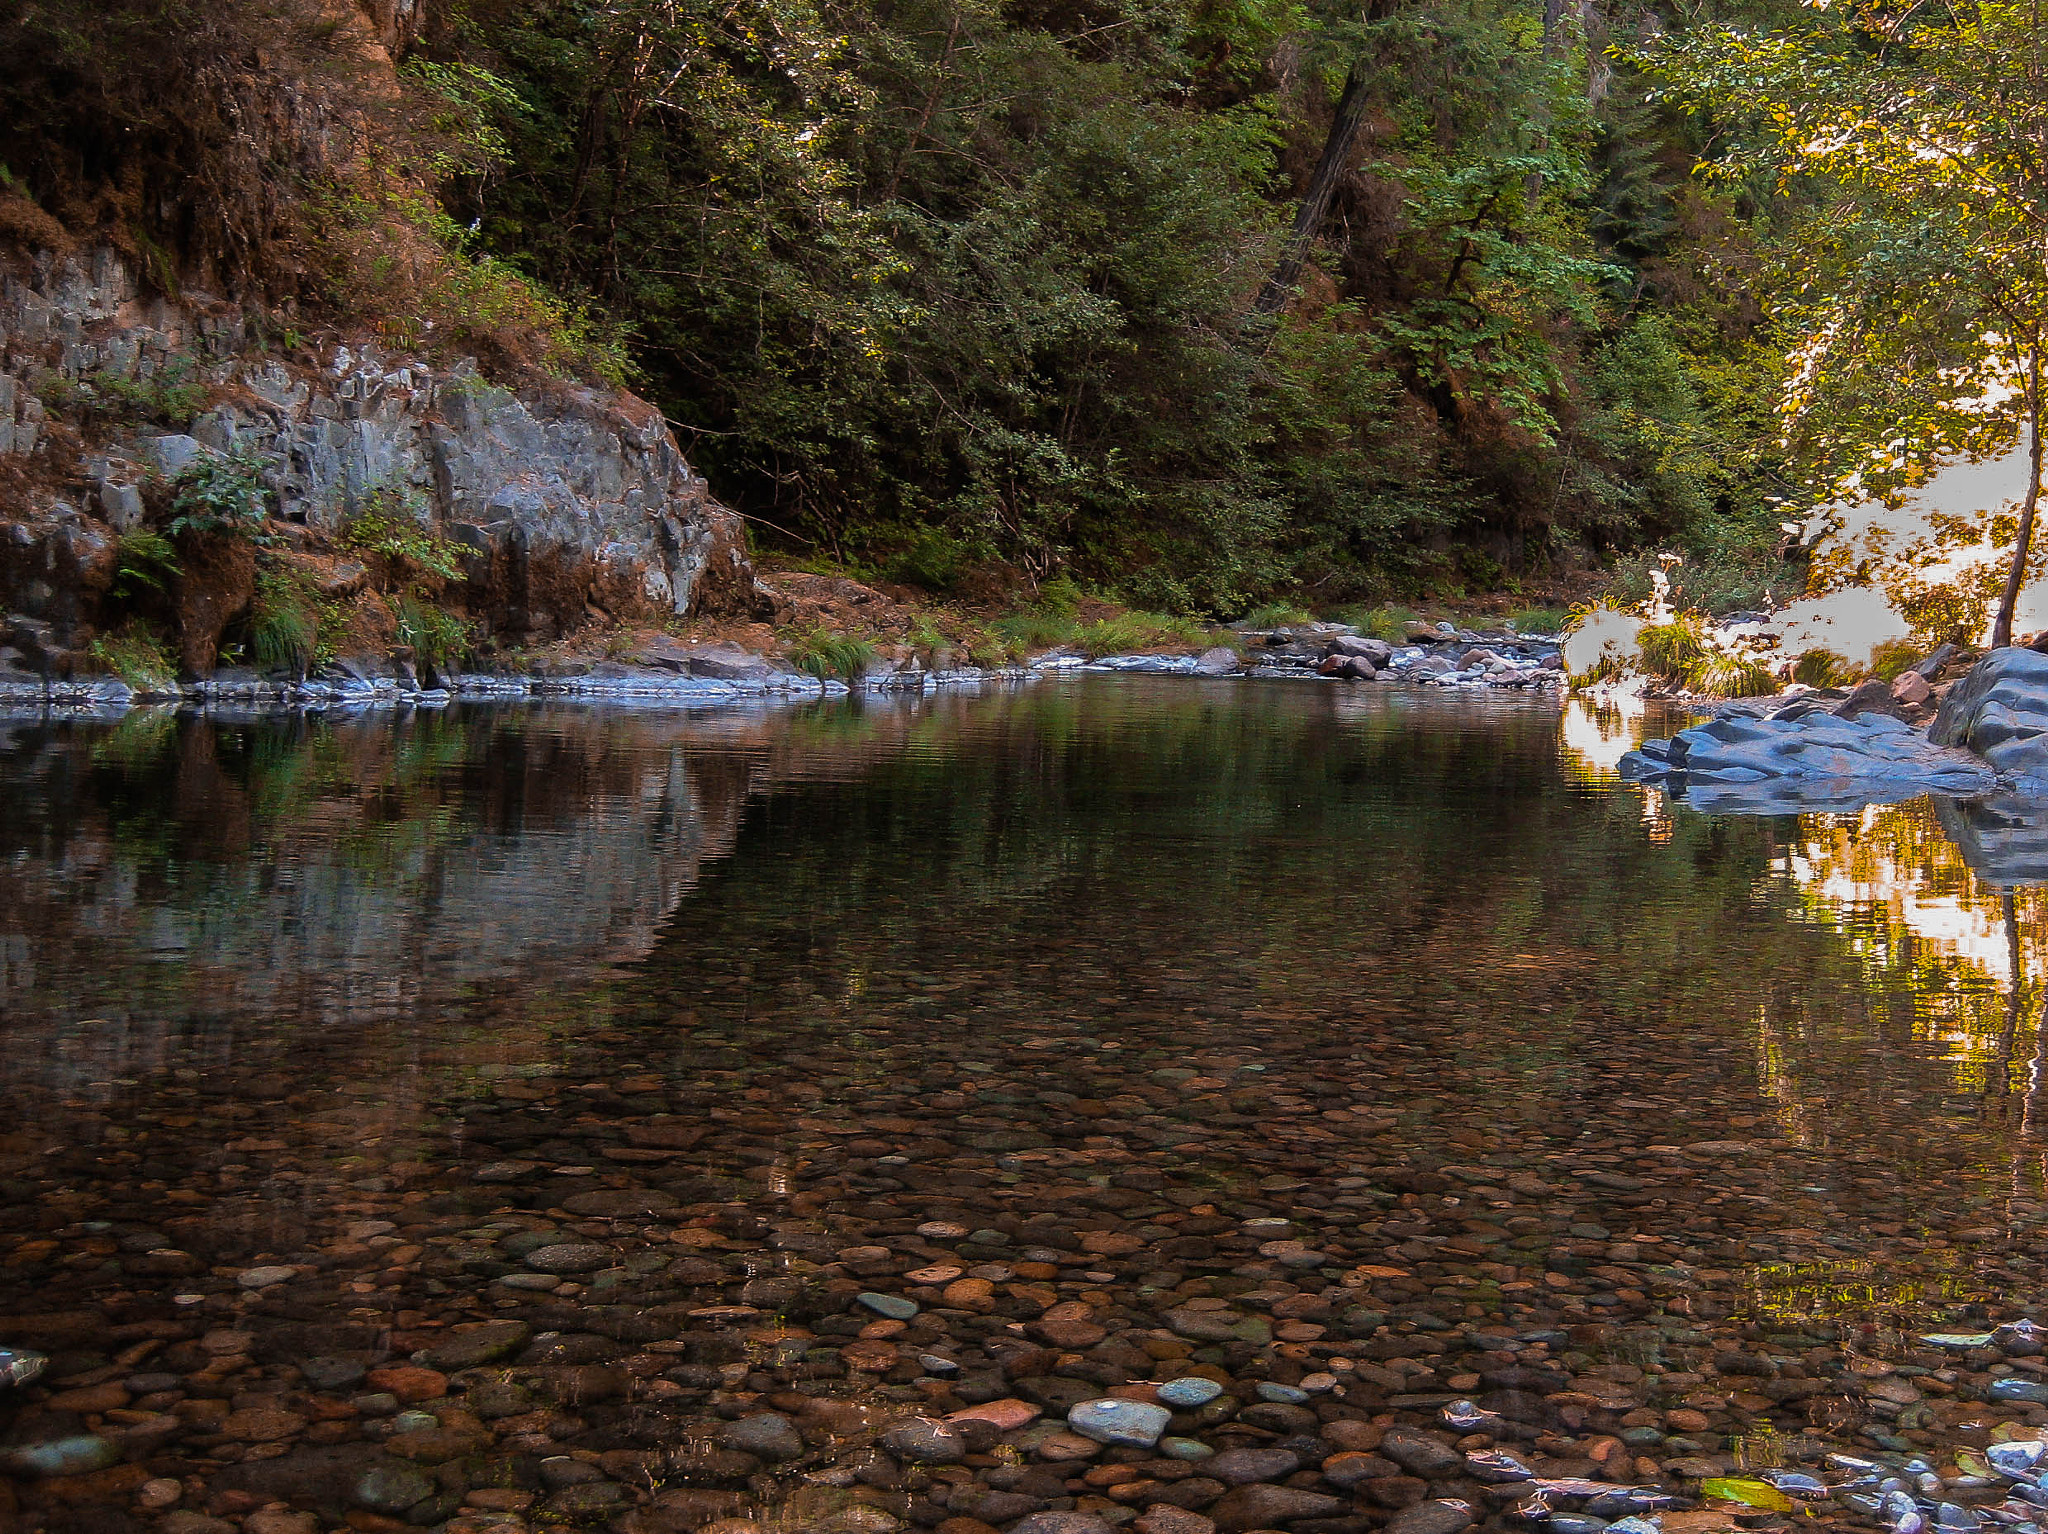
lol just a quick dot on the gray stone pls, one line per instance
(572, 1257)
(1444, 1516)
(1220, 660)
(893, 1307)
(765, 1435)
(121, 504)
(922, 1441)
(331, 1374)
(1375, 652)
(726, 663)
(1263, 1507)
(169, 455)
(1137, 1424)
(466, 1346)
(392, 1486)
(561, 496)
(61, 1456)
(1241, 1467)
(1190, 1391)
(1420, 1454)
(1063, 1523)
(2000, 711)
(1803, 758)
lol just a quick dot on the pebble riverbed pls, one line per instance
(1129, 1106)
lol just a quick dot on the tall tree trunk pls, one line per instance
(2001, 631)
(1322, 186)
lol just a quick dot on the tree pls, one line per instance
(1915, 289)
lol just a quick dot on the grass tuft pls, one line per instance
(139, 656)
(825, 655)
(1539, 620)
(284, 622)
(1126, 633)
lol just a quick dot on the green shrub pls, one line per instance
(389, 528)
(823, 655)
(170, 397)
(220, 493)
(1385, 623)
(1674, 651)
(1276, 615)
(284, 622)
(143, 557)
(1538, 620)
(139, 656)
(1823, 668)
(1721, 675)
(1041, 630)
(1892, 658)
(934, 560)
(433, 633)
(987, 648)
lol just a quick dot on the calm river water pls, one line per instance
(1146, 997)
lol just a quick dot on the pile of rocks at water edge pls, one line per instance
(1436, 655)
(1832, 749)
(1803, 754)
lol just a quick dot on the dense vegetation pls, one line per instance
(939, 285)
(1200, 301)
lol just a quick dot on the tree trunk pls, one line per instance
(2001, 631)
(1322, 186)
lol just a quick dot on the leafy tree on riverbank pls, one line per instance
(1913, 294)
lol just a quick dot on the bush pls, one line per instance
(1040, 630)
(934, 560)
(433, 633)
(1674, 651)
(1888, 660)
(1823, 668)
(1538, 620)
(220, 493)
(1127, 633)
(1385, 623)
(388, 528)
(825, 655)
(139, 656)
(1276, 615)
(143, 557)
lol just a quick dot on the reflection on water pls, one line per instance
(1512, 1043)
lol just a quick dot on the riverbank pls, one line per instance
(659, 667)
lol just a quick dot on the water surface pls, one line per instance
(1511, 1045)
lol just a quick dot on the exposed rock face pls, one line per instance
(1803, 758)
(2000, 711)
(573, 502)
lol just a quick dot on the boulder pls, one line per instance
(1801, 757)
(2000, 711)
(1375, 651)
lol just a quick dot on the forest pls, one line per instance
(1202, 303)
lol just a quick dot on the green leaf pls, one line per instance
(1749, 1493)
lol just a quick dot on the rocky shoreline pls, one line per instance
(1935, 730)
(697, 675)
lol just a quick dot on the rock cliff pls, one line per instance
(571, 504)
